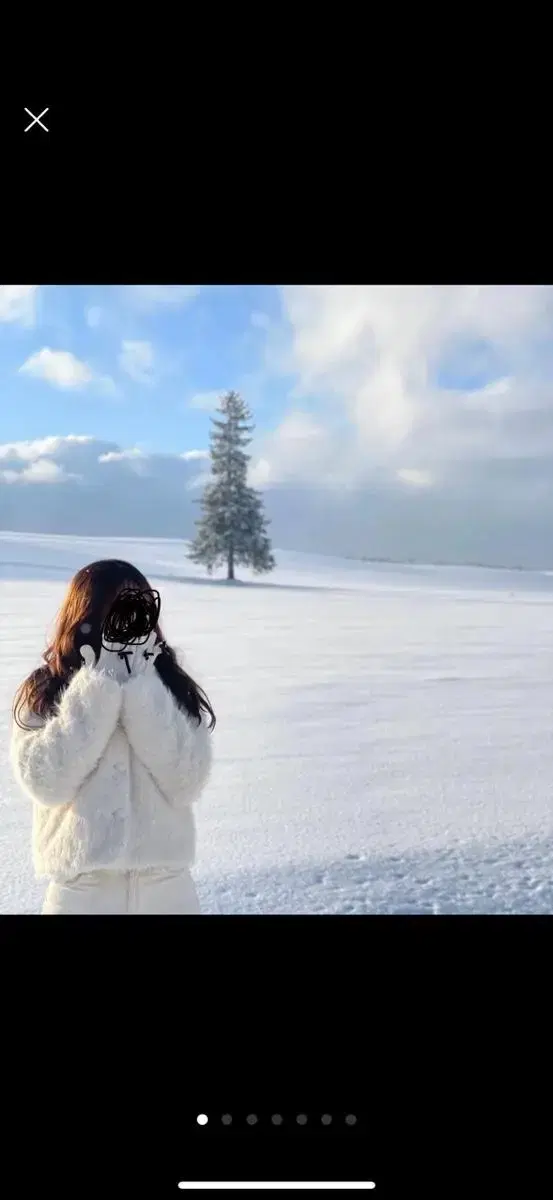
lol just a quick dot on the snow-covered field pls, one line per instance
(384, 739)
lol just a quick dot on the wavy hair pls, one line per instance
(89, 598)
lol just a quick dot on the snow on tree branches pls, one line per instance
(232, 530)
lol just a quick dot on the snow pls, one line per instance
(384, 740)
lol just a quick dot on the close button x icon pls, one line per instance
(37, 120)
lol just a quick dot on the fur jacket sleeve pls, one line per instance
(52, 760)
(170, 744)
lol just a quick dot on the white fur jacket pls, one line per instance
(112, 775)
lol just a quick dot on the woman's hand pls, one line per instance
(112, 661)
(144, 657)
(88, 656)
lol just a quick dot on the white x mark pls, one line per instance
(37, 120)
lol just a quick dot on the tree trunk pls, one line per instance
(230, 564)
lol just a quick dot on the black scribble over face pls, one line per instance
(132, 617)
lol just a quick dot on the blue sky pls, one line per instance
(406, 407)
(142, 364)
(179, 346)
(411, 420)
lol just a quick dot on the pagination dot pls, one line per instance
(351, 1119)
(326, 1119)
(201, 1119)
(276, 1119)
(252, 1119)
(226, 1119)
(302, 1119)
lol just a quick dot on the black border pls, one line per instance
(165, 187)
(435, 1030)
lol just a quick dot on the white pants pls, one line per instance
(158, 891)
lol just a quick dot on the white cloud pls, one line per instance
(42, 470)
(18, 303)
(45, 471)
(371, 358)
(501, 513)
(43, 447)
(300, 447)
(107, 488)
(44, 459)
(202, 458)
(137, 360)
(206, 401)
(133, 459)
(419, 422)
(120, 455)
(261, 473)
(499, 396)
(90, 461)
(58, 367)
(149, 296)
(415, 478)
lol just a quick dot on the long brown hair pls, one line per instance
(87, 602)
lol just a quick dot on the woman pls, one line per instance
(113, 751)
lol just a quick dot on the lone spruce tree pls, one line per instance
(232, 529)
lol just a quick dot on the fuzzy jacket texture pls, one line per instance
(112, 774)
